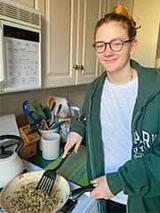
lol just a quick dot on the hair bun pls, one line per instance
(122, 10)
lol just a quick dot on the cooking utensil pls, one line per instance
(28, 111)
(49, 176)
(38, 124)
(56, 118)
(61, 189)
(57, 124)
(38, 108)
(10, 163)
(51, 105)
(37, 121)
(48, 114)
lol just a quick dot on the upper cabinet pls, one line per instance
(30, 3)
(68, 57)
(67, 53)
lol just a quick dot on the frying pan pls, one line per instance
(61, 187)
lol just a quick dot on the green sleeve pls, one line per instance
(137, 176)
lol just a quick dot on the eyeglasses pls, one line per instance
(115, 45)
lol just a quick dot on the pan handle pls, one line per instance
(76, 193)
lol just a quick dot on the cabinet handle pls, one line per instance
(81, 67)
(76, 67)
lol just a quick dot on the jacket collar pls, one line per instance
(148, 82)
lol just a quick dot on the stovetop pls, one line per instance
(85, 203)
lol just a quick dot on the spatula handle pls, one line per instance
(63, 159)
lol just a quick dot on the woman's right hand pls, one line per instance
(73, 140)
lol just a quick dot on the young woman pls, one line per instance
(121, 122)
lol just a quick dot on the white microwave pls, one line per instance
(20, 47)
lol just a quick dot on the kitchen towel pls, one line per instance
(74, 167)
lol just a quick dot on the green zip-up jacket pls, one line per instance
(139, 177)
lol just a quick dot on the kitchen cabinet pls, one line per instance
(29, 3)
(67, 53)
(67, 36)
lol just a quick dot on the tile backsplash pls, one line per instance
(12, 102)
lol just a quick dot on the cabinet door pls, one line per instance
(89, 13)
(29, 3)
(67, 41)
(59, 42)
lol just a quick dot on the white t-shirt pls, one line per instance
(117, 106)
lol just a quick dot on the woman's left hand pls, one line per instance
(101, 190)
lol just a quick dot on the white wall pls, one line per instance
(148, 13)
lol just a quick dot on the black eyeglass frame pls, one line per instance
(110, 44)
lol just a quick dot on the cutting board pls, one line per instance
(74, 168)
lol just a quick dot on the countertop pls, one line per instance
(38, 159)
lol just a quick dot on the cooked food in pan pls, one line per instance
(20, 195)
(30, 200)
